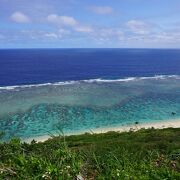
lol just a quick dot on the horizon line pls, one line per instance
(21, 48)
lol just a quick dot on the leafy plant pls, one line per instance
(144, 154)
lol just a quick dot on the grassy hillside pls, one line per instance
(145, 154)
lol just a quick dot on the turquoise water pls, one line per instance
(31, 111)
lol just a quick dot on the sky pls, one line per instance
(89, 23)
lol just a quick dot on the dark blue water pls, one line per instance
(34, 66)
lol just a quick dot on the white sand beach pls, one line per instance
(174, 123)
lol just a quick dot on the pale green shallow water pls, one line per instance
(28, 112)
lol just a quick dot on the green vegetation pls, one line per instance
(145, 154)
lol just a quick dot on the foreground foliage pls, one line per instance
(145, 154)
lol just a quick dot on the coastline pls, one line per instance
(172, 123)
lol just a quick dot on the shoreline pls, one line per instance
(173, 123)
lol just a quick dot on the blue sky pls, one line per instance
(89, 23)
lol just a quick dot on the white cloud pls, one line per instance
(102, 9)
(138, 27)
(51, 35)
(20, 17)
(169, 37)
(85, 29)
(61, 33)
(156, 38)
(107, 34)
(69, 22)
(62, 20)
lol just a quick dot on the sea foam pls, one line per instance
(98, 80)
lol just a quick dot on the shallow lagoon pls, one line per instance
(31, 111)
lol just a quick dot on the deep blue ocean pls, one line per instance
(35, 66)
(43, 91)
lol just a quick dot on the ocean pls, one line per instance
(45, 91)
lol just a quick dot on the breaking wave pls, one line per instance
(98, 80)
